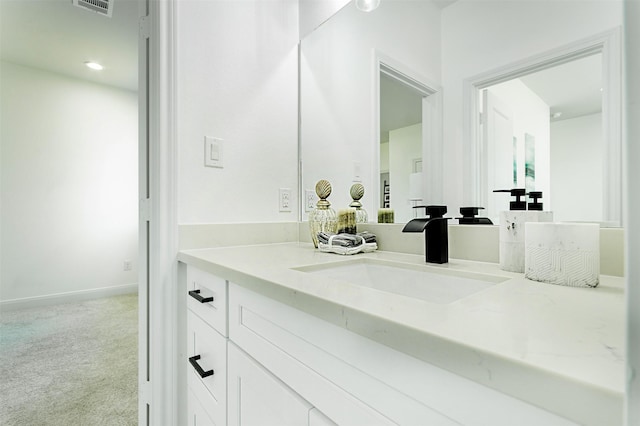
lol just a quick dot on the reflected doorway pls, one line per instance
(405, 109)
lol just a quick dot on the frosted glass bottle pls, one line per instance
(357, 192)
(323, 218)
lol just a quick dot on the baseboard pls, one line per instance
(70, 297)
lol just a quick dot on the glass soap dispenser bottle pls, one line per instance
(323, 218)
(357, 192)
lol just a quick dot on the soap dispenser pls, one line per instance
(512, 229)
(323, 218)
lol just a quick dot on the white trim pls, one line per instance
(144, 393)
(67, 297)
(432, 149)
(632, 206)
(162, 389)
(609, 43)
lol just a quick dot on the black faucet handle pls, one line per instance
(436, 211)
(470, 211)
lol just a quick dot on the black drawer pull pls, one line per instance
(194, 361)
(196, 295)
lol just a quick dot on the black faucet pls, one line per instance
(469, 217)
(436, 237)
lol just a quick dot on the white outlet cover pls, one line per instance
(284, 199)
(310, 200)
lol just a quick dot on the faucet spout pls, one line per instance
(416, 225)
(436, 235)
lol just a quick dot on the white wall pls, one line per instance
(69, 184)
(237, 80)
(577, 168)
(481, 36)
(314, 12)
(337, 84)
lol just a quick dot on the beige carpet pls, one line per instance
(72, 364)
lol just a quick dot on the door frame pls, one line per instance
(158, 387)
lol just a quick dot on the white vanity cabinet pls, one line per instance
(277, 365)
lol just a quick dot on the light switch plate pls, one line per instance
(213, 152)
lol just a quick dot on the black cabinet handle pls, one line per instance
(194, 362)
(196, 295)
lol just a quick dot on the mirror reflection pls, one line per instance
(354, 70)
(401, 143)
(347, 104)
(543, 131)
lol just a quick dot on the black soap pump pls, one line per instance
(536, 205)
(469, 217)
(517, 204)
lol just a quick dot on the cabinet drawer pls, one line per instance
(258, 398)
(207, 372)
(208, 298)
(197, 415)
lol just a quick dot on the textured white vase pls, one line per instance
(563, 253)
(512, 236)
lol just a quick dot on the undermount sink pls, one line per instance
(431, 284)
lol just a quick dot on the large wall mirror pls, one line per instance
(355, 102)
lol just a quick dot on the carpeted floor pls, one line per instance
(72, 364)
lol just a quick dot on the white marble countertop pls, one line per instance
(560, 348)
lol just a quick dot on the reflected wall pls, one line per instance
(338, 117)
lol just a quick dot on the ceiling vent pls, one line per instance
(102, 7)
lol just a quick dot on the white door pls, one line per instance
(256, 397)
(498, 153)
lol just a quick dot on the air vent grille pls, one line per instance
(103, 7)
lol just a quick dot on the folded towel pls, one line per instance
(342, 240)
(368, 237)
(347, 243)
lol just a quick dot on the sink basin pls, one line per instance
(435, 285)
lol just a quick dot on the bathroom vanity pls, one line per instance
(291, 341)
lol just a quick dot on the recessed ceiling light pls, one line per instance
(556, 114)
(94, 65)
